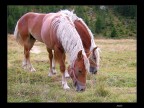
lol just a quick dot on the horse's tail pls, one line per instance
(17, 35)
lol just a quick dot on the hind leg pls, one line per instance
(51, 57)
(53, 65)
(28, 44)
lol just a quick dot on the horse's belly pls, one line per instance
(37, 37)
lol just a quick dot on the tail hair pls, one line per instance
(17, 35)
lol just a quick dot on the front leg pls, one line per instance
(64, 82)
(60, 56)
(54, 69)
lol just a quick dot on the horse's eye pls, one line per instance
(80, 71)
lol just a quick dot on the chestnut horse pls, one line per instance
(58, 33)
(87, 40)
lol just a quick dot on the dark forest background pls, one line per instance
(106, 21)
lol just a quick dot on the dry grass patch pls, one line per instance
(115, 81)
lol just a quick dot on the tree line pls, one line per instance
(112, 21)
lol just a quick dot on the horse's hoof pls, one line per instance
(66, 87)
(54, 71)
(66, 74)
(50, 74)
(32, 70)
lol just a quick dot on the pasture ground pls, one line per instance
(115, 81)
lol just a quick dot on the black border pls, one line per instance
(140, 53)
(140, 49)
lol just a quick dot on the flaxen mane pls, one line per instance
(69, 38)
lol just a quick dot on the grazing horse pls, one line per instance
(58, 33)
(87, 40)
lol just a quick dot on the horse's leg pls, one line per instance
(54, 69)
(53, 64)
(50, 58)
(66, 72)
(62, 68)
(28, 44)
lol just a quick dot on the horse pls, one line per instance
(88, 42)
(58, 33)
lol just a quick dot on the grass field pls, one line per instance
(115, 81)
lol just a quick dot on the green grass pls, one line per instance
(115, 81)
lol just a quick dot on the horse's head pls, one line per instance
(94, 60)
(78, 71)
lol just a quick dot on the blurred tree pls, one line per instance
(114, 33)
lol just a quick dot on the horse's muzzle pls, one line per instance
(93, 70)
(79, 87)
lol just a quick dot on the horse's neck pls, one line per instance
(90, 33)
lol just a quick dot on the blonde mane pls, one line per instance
(70, 39)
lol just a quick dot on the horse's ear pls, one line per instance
(95, 48)
(80, 56)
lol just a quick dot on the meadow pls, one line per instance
(116, 80)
